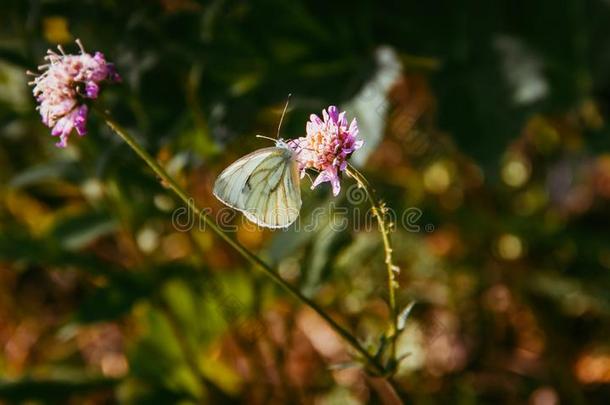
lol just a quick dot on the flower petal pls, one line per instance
(341, 120)
(333, 113)
(315, 119)
(353, 128)
(92, 89)
(328, 175)
(80, 120)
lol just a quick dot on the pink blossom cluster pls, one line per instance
(64, 85)
(328, 144)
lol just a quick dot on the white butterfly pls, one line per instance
(264, 185)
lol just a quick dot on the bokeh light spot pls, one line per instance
(510, 247)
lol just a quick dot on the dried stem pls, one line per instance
(379, 211)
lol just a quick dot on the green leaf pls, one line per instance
(75, 233)
(44, 173)
(404, 315)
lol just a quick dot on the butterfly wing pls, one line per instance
(264, 186)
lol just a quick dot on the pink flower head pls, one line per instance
(66, 83)
(327, 146)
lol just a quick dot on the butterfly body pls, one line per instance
(263, 185)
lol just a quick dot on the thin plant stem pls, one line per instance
(379, 210)
(242, 250)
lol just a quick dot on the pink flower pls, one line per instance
(64, 86)
(327, 146)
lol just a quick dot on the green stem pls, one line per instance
(242, 250)
(379, 211)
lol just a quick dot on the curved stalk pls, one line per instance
(241, 249)
(379, 211)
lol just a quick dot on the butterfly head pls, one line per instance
(290, 144)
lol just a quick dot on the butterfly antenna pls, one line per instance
(266, 137)
(282, 117)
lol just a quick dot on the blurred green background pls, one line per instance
(486, 131)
